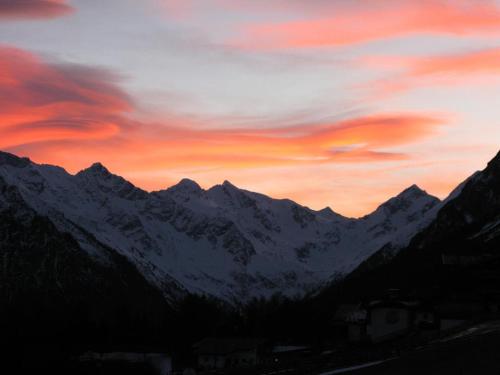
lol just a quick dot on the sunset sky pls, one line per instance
(340, 103)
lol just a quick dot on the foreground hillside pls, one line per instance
(472, 353)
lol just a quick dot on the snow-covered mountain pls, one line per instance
(456, 256)
(225, 242)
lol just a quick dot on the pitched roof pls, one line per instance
(349, 312)
(394, 304)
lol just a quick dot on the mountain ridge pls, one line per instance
(7, 157)
(224, 241)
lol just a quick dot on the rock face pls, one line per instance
(472, 213)
(457, 254)
(226, 242)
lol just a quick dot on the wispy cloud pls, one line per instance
(47, 102)
(73, 115)
(408, 73)
(381, 19)
(42, 102)
(33, 9)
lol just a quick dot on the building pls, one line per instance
(214, 354)
(389, 319)
(350, 322)
(394, 317)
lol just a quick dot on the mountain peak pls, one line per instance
(410, 195)
(186, 185)
(412, 191)
(406, 199)
(13, 160)
(95, 170)
(99, 172)
(326, 210)
(329, 213)
(229, 186)
(189, 183)
(98, 176)
(98, 167)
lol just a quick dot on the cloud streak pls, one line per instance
(33, 9)
(44, 102)
(359, 139)
(465, 68)
(73, 115)
(380, 19)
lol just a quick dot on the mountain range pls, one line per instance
(223, 242)
(89, 261)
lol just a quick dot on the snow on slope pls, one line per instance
(224, 241)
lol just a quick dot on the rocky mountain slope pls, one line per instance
(224, 242)
(51, 289)
(458, 254)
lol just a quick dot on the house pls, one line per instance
(393, 317)
(389, 319)
(350, 320)
(214, 353)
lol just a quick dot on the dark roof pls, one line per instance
(226, 346)
(394, 304)
(344, 311)
(349, 313)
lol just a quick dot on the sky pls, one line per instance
(340, 103)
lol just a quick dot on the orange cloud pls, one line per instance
(445, 70)
(72, 115)
(33, 9)
(485, 61)
(377, 19)
(42, 102)
(148, 147)
(57, 103)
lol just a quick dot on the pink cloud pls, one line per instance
(466, 68)
(41, 101)
(33, 9)
(72, 115)
(379, 19)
